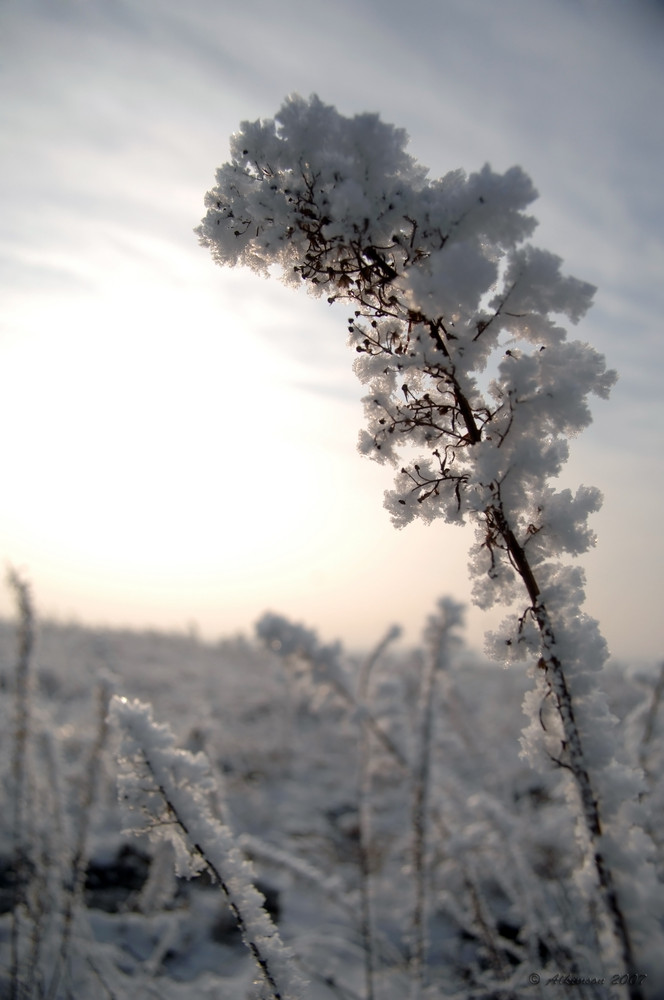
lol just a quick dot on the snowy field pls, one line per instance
(387, 853)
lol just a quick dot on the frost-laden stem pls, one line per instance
(575, 762)
(555, 674)
(420, 803)
(365, 814)
(172, 788)
(365, 863)
(78, 863)
(19, 763)
(256, 953)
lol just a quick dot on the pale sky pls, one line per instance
(179, 441)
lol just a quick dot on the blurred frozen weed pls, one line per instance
(405, 847)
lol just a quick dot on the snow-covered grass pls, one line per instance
(379, 822)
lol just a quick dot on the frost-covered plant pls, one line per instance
(324, 665)
(169, 791)
(440, 636)
(327, 674)
(437, 815)
(324, 673)
(75, 882)
(474, 390)
(20, 838)
(51, 813)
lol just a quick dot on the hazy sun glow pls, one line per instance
(179, 441)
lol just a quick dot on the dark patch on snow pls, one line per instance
(113, 885)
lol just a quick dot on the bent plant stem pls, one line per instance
(575, 758)
(251, 944)
(256, 953)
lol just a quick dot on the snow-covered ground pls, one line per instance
(322, 789)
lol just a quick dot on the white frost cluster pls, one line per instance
(443, 285)
(322, 664)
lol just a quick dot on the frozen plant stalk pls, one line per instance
(169, 788)
(20, 777)
(441, 282)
